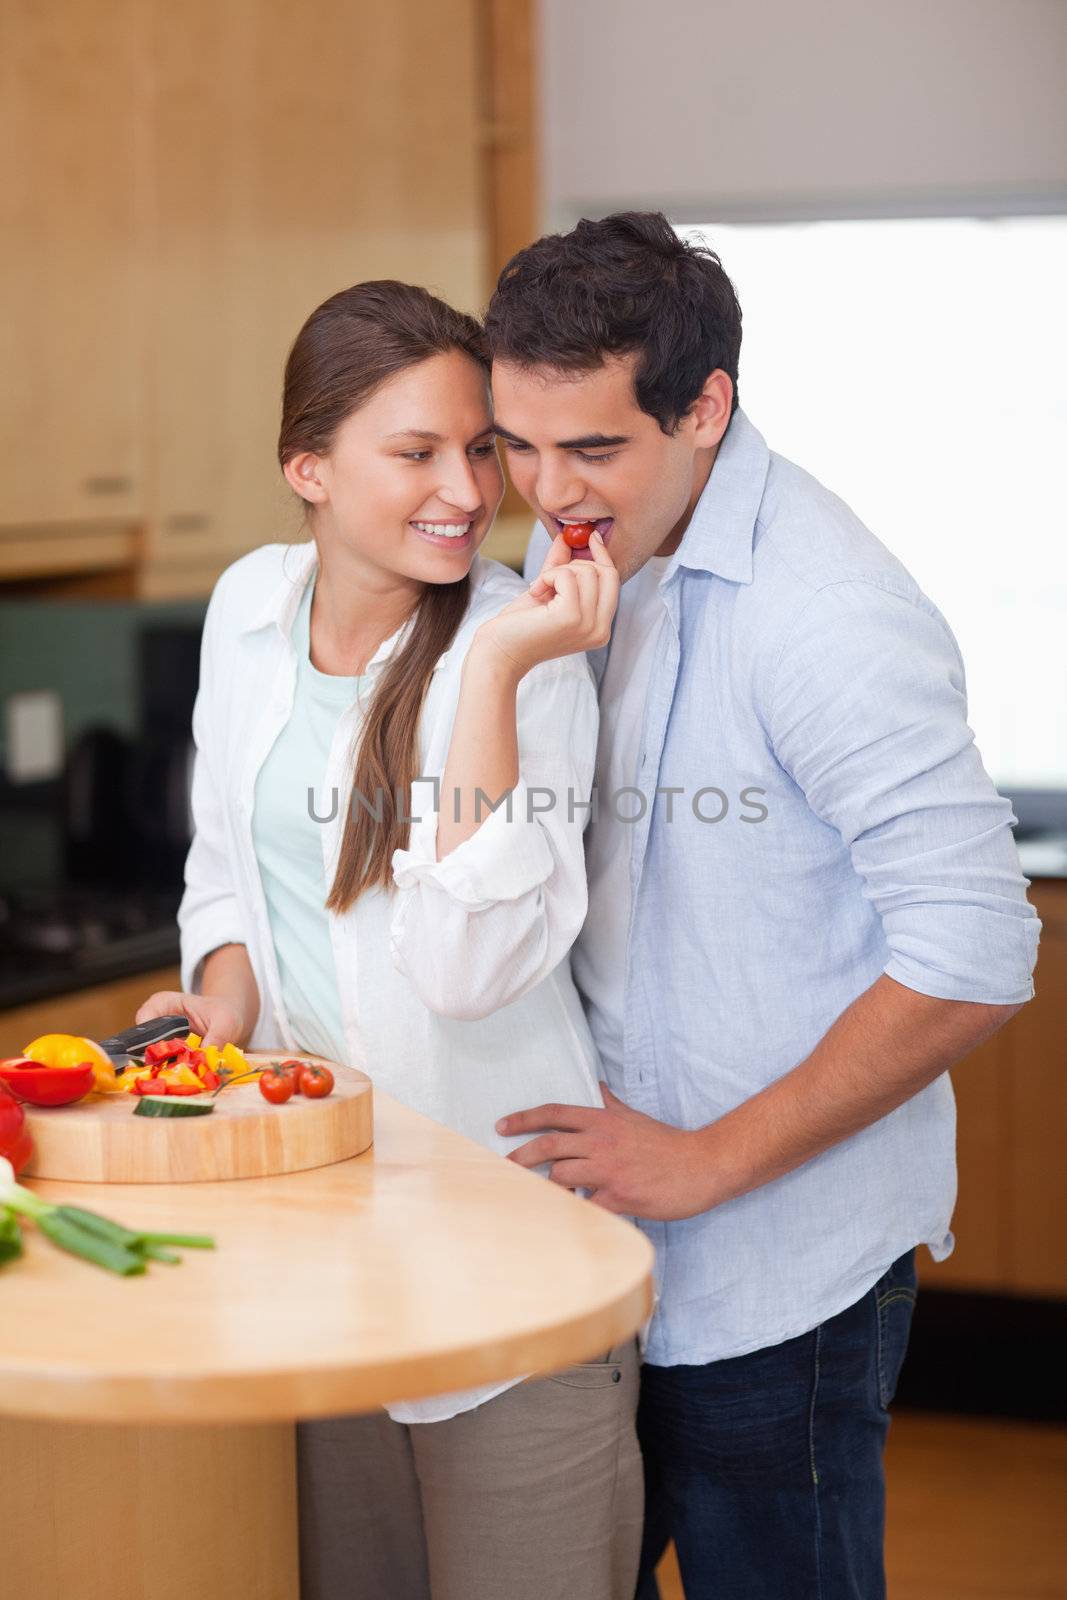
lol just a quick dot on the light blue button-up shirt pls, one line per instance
(802, 674)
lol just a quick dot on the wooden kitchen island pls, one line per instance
(146, 1424)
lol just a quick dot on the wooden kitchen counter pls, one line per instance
(424, 1265)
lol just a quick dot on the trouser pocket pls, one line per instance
(895, 1303)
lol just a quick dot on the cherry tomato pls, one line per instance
(316, 1082)
(578, 534)
(294, 1068)
(276, 1085)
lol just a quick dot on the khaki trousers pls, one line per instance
(535, 1495)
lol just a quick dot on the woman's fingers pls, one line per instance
(215, 1020)
(583, 585)
(164, 1003)
(608, 592)
(559, 555)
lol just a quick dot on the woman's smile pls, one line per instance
(450, 534)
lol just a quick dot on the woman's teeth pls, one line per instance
(444, 530)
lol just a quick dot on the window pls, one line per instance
(919, 369)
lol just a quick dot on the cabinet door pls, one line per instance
(290, 162)
(1038, 1201)
(72, 183)
(187, 239)
(1011, 1097)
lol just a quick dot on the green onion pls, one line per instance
(85, 1233)
(79, 1241)
(10, 1236)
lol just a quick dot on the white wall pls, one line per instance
(831, 107)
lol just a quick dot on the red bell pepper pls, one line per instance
(47, 1086)
(15, 1141)
(164, 1051)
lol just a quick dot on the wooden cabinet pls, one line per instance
(1012, 1112)
(273, 188)
(73, 170)
(184, 185)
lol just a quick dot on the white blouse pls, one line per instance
(455, 987)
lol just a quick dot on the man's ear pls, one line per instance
(304, 473)
(711, 409)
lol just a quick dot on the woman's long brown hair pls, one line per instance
(352, 344)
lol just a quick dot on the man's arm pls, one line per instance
(890, 1043)
(868, 717)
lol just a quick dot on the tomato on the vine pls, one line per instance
(293, 1068)
(316, 1082)
(276, 1085)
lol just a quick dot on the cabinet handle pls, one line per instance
(187, 522)
(106, 485)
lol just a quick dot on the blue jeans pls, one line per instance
(766, 1469)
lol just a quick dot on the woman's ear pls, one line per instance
(304, 473)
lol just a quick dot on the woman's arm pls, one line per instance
(566, 610)
(484, 752)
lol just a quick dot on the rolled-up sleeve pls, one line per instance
(869, 718)
(209, 914)
(480, 928)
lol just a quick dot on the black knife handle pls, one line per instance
(131, 1041)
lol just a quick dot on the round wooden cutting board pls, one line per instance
(100, 1140)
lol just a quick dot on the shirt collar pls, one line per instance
(301, 562)
(720, 532)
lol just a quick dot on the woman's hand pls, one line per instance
(217, 1021)
(567, 608)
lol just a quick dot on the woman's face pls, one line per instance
(412, 482)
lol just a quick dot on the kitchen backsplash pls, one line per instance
(85, 653)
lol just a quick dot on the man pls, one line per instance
(805, 906)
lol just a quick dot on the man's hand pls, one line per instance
(632, 1163)
(887, 1046)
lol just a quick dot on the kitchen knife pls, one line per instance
(132, 1041)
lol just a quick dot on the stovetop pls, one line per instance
(56, 940)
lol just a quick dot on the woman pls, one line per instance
(339, 679)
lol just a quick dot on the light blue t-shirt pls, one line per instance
(288, 844)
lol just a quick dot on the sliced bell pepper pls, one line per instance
(164, 1050)
(47, 1086)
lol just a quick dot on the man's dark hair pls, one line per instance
(627, 284)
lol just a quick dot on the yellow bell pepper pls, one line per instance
(131, 1075)
(193, 1040)
(71, 1050)
(180, 1074)
(236, 1064)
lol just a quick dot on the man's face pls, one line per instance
(580, 449)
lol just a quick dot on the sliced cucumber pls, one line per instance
(172, 1105)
